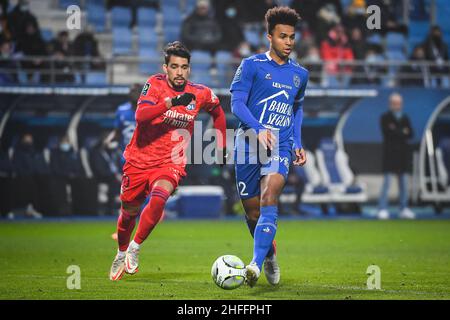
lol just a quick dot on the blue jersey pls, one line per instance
(125, 122)
(274, 93)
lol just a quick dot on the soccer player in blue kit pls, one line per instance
(267, 97)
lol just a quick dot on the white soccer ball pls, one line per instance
(228, 272)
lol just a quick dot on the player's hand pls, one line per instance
(267, 139)
(183, 99)
(300, 157)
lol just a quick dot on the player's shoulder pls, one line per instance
(156, 78)
(297, 67)
(197, 86)
(256, 59)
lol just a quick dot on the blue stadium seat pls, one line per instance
(418, 31)
(96, 78)
(442, 15)
(121, 17)
(149, 67)
(375, 39)
(172, 33)
(395, 41)
(146, 18)
(122, 41)
(96, 15)
(171, 15)
(64, 4)
(225, 68)
(252, 37)
(147, 37)
(47, 35)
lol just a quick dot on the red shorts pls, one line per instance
(137, 183)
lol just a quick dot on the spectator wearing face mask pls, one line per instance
(230, 27)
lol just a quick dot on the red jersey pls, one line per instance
(157, 143)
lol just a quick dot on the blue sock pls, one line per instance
(264, 234)
(251, 224)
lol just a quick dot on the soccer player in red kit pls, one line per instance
(168, 102)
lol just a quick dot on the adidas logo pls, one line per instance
(267, 230)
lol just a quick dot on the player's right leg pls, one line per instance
(133, 193)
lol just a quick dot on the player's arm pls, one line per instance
(220, 124)
(300, 155)
(240, 89)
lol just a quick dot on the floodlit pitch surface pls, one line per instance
(319, 260)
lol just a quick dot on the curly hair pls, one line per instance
(281, 15)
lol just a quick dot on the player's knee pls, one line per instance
(130, 209)
(269, 198)
(253, 215)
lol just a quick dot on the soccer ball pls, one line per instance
(228, 272)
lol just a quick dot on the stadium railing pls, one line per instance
(122, 70)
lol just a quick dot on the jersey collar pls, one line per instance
(280, 65)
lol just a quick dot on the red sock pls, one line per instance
(151, 214)
(125, 226)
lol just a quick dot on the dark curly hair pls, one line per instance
(281, 15)
(176, 48)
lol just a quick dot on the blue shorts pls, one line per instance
(250, 171)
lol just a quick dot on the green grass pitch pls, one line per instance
(318, 259)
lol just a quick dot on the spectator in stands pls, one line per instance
(61, 49)
(104, 159)
(359, 47)
(8, 66)
(20, 18)
(436, 50)
(254, 11)
(5, 32)
(308, 10)
(313, 63)
(86, 46)
(327, 19)
(334, 50)
(415, 73)
(230, 27)
(25, 185)
(200, 31)
(31, 44)
(243, 50)
(356, 15)
(373, 68)
(397, 156)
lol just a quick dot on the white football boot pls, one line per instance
(272, 270)
(252, 274)
(383, 214)
(132, 259)
(118, 267)
(407, 213)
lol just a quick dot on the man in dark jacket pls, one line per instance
(200, 31)
(397, 157)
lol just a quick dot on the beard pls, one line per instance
(178, 87)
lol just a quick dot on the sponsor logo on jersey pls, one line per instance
(280, 86)
(238, 75)
(176, 119)
(146, 88)
(297, 81)
(190, 106)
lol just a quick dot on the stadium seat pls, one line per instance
(151, 63)
(47, 35)
(337, 175)
(315, 191)
(171, 15)
(418, 31)
(200, 65)
(252, 36)
(147, 37)
(122, 41)
(225, 68)
(146, 18)
(96, 15)
(95, 78)
(121, 17)
(395, 41)
(172, 33)
(64, 4)
(375, 39)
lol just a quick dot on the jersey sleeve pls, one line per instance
(211, 101)
(298, 114)
(150, 93)
(243, 78)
